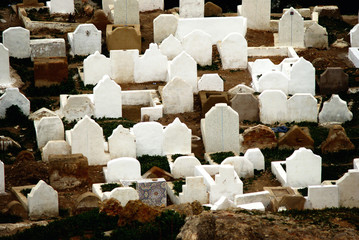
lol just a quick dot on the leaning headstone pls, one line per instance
(122, 143)
(149, 138)
(333, 80)
(2, 178)
(177, 138)
(171, 47)
(336, 141)
(272, 106)
(316, 36)
(335, 110)
(55, 147)
(4, 66)
(233, 51)
(78, 106)
(62, 6)
(296, 138)
(348, 189)
(291, 29)
(47, 129)
(259, 136)
(163, 26)
(273, 80)
(124, 168)
(256, 157)
(123, 65)
(95, 67)
(354, 36)
(17, 41)
(246, 105)
(191, 8)
(198, 44)
(126, 12)
(194, 190)
(302, 107)
(257, 13)
(43, 202)
(12, 96)
(177, 97)
(302, 77)
(211, 82)
(85, 33)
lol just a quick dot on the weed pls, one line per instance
(177, 186)
(220, 156)
(108, 187)
(147, 162)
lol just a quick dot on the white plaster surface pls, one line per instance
(122, 143)
(243, 167)
(353, 55)
(191, 8)
(198, 44)
(149, 138)
(124, 168)
(194, 189)
(323, 196)
(272, 106)
(123, 65)
(12, 96)
(262, 196)
(354, 36)
(4, 65)
(2, 178)
(302, 77)
(253, 206)
(273, 80)
(62, 6)
(171, 47)
(233, 51)
(256, 157)
(77, 106)
(95, 67)
(177, 138)
(177, 97)
(316, 36)
(349, 189)
(17, 41)
(124, 194)
(145, 5)
(51, 47)
(163, 26)
(291, 29)
(257, 13)
(47, 129)
(55, 147)
(210, 82)
(222, 204)
(184, 166)
(302, 107)
(85, 33)
(126, 12)
(335, 110)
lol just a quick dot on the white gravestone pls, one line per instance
(198, 44)
(257, 13)
(123, 65)
(273, 80)
(354, 36)
(122, 143)
(349, 189)
(146, 5)
(272, 106)
(50, 47)
(335, 110)
(177, 97)
(177, 138)
(126, 12)
(223, 204)
(47, 129)
(193, 190)
(233, 51)
(95, 67)
(255, 156)
(78, 106)
(261, 66)
(149, 138)
(171, 47)
(323, 196)
(124, 168)
(163, 26)
(2, 178)
(302, 107)
(291, 29)
(191, 8)
(55, 147)
(184, 166)
(4, 66)
(61, 6)
(316, 36)
(106, 6)
(85, 40)
(124, 194)
(243, 167)
(17, 41)
(302, 77)
(210, 82)
(12, 96)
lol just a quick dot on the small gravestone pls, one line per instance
(333, 80)
(122, 143)
(210, 82)
(48, 48)
(296, 138)
(302, 77)
(171, 47)
(126, 12)
(57, 147)
(177, 138)
(78, 106)
(184, 166)
(256, 157)
(247, 106)
(49, 71)
(191, 8)
(272, 106)
(336, 141)
(354, 36)
(323, 196)
(123, 37)
(348, 189)
(316, 36)
(123, 65)
(259, 136)
(212, 10)
(194, 190)
(124, 194)
(152, 191)
(177, 97)
(273, 80)
(85, 33)
(233, 51)
(163, 26)
(4, 66)
(2, 178)
(124, 168)
(291, 29)
(17, 41)
(149, 138)
(87, 201)
(47, 129)
(302, 107)
(198, 44)
(335, 110)
(240, 88)
(12, 96)
(95, 67)
(62, 6)
(257, 13)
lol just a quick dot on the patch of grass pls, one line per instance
(275, 154)
(177, 186)
(25, 191)
(147, 162)
(213, 67)
(108, 187)
(220, 156)
(175, 156)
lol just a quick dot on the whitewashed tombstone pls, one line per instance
(302, 77)
(17, 41)
(316, 36)
(223, 204)
(152, 66)
(124, 194)
(198, 44)
(272, 106)
(177, 138)
(335, 110)
(233, 51)
(62, 6)
(78, 106)
(243, 167)
(193, 190)
(171, 47)
(106, 5)
(123, 65)
(184, 166)
(2, 178)
(124, 168)
(240, 88)
(184, 67)
(274, 80)
(286, 65)
(149, 138)
(4, 66)
(107, 99)
(291, 29)
(303, 168)
(55, 147)
(163, 26)
(246, 105)
(95, 67)
(255, 156)
(13, 96)
(191, 8)
(257, 13)
(85, 33)
(210, 82)
(43, 201)
(261, 66)
(47, 129)
(323, 196)
(122, 143)
(220, 129)
(126, 12)
(146, 5)
(42, 112)
(349, 189)
(48, 47)
(302, 107)
(177, 97)
(354, 36)
(87, 138)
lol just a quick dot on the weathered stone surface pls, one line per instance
(87, 201)
(50, 71)
(212, 10)
(247, 106)
(259, 136)
(210, 99)
(337, 140)
(100, 20)
(295, 138)
(122, 37)
(333, 80)
(16, 208)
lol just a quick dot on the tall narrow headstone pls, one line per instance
(149, 138)
(177, 138)
(17, 41)
(95, 67)
(291, 29)
(4, 65)
(123, 65)
(126, 12)
(191, 8)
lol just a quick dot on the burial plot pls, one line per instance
(198, 44)
(257, 13)
(316, 36)
(85, 33)
(95, 67)
(126, 12)
(77, 106)
(194, 190)
(4, 66)
(354, 36)
(233, 51)
(247, 106)
(177, 97)
(124, 168)
(335, 110)
(302, 107)
(348, 189)
(291, 29)
(171, 47)
(50, 71)
(13, 97)
(163, 26)
(273, 80)
(123, 37)
(210, 82)
(323, 196)
(149, 138)
(61, 6)
(123, 65)
(184, 166)
(333, 80)
(177, 138)
(191, 8)
(47, 129)
(17, 41)
(296, 138)
(302, 77)
(336, 141)
(122, 143)
(272, 106)
(55, 147)
(259, 136)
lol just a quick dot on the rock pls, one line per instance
(212, 10)
(188, 209)
(15, 208)
(86, 202)
(340, 43)
(337, 140)
(259, 136)
(25, 156)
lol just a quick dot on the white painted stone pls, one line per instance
(273, 80)
(177, 138)
(291, 29)
(124, 168)
(184, 166)
(233, 51)
(243, 167)
(191, 8)
(302, 78)
(353, 56)
(152, 66)
(124, 194)
(257, 13)
(247, 198)
(272, 106)
(51, 47)
(349, 189)
(47, 129)
(106, 6)
(335, 110)
(303, 168)
(171, 47)
(261, 66)
(42, 112)
(78, 106)
(43, 201)
(55, 147)
(184, 67)
(62, 6)
(323, 196)
(163, 26)
(177, 97)
(222, 204)
(123, 65)
(210, 82)
(356, 163)
(13, 96)
(145, 5)
(85, 33)
(198, 44)
(87, 138)
(154, 113)
(286, 65)
(2, 178)
(256, 157)
(253, 206)
(354, 36)
(193, 190)
(316, 36)
(17, 41)
(95, 67)
(122, 143)
(278, 172)
(107, 99)
(149, 138)
(302, 107)
(126, 12)
(240, 88)
(4, 66)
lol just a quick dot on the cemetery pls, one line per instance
(187, 119)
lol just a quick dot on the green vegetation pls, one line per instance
(175, 156)
(25, 191)
(147, 162)
(213, 67)
(177, 186)
(109, 124)
(220, 156)
(108, 187)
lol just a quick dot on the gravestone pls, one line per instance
(107, 99)
(184, 67)
(124, 168)
(296, 138)
(124, 194)
(126, 12)
(191, 8)
(151, 67)
(291, 29)
(323, 196)
(47, 129)
(210, 82)
(123, 65)
(212, 10)
(78, 106)
(152, 192)
(335, 110)
(177, 138)
(49, 71)
(303, 168)
(302, 77)
(42, 112)
(85, 33)
(95, 67)
(171, 47)
(163, 26)
(106, 5)
(177, 97)
(273, 80)
(12, 96)
(261, 66)
(42, 202)
(240, 88)
(45, 48)
(149, 138)
(122, 143)
(62, 6)
(87, 138)
(354, 36)
(4, 66)
(198, 44)
(247, 106)
(272, 106)
(123, 37)
(302, 107)
(259, 136)
(184, 166)
(316, 36)
(86, 202)
(17, 41)
(233, 51)
(348, 189)
(146, 5)
(2, 178)
(336, 141)
(257, 13)
(333, 80)
(220, 129)
(243, 167)
(256, 157)
(194, 190)
(55, 147)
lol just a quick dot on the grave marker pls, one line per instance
(302, 107)
(48, 129)
(191, 8)
(210, 82)
(61, 6)
(122, 143)
(302, 77)
(126, 12)
(177, 138)
(163, 26)
(55, 147)
(257, 13)
(85, 33)
(194, 189)
(198, 44)
(149, 138)
(2, 178)
(123, 65)
(246, 105)
(333, 80)
(17, 41)
(272, 106)
(12, 96)
(335, 110)
(95, 67)
(177, 97)
(354, 36)
(348, 189)
(124, 168)
(291, 29)
(4, 66)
